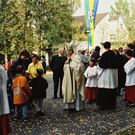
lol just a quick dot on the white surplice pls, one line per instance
(4, 106)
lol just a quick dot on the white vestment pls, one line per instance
(107, 78)
(73, 82)
(130, 72)
(4, 106)
(91, 75)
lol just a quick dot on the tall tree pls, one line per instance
(33, 23)
(5, 20)
(53, 20)
(125, 9)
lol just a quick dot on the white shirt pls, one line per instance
(130, 71)
(91, 75)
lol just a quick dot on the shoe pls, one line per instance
(65, 109)
(17, 117)
(130, 104)
(25, 119)
(61, 96)
(54, 97)
(39, 113)
(91, 101)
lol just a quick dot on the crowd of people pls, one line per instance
(81, 78)
(22, 85)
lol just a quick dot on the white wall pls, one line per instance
(102, 31)
(106, 28)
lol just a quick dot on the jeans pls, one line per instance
(21, 111)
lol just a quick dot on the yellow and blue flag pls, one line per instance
(90, 18)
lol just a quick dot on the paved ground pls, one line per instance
(91, 121)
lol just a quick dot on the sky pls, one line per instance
(104, 6)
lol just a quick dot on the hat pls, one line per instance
(107, 44)
(35, 53)
(70, 48)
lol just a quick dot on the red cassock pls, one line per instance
(4, 125)
(91, 93)
(130, 93)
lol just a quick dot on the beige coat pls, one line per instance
(73, 80)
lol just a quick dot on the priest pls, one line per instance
(73, 87)
(107, 78)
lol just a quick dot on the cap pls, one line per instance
(35, 53)
(107, 44)
(70, 48)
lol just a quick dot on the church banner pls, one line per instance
(90, 17)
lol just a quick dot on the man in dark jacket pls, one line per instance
(56, 65)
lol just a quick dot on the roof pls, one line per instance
(99, 17)
(113, 18)
(80, 18)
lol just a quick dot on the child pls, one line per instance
(91, 83)
(39, 86)
(20, 93)
(30, 102)
(130, 79)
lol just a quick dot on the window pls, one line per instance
(113, 37)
